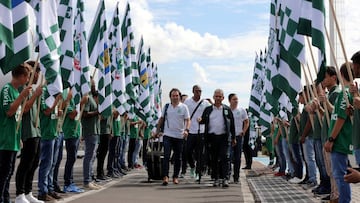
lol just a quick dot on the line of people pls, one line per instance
(322, 136)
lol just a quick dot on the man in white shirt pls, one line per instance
(196, 107)
(241, 121)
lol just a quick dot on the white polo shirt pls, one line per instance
(239, 116)
(192, 104)
(174, 125)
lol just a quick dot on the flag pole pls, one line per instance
(38, 104)
(314, 65)
(338, 70)
(307, 100)
(26, 99)
(331, 5)
(311, 91)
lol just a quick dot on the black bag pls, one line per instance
(165, 113)
(154, 160)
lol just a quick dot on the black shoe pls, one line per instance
(55, 195)
(303, 182)
(45, 198)
(58, 190)
(95, 179)
(246, 167)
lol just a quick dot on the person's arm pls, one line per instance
(353, 176)
(17, 102)
(32, 99)
(335, 132)
(306, 131)
(187, 127)
(245, 126)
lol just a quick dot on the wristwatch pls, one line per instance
(331, 139)
(187, 130)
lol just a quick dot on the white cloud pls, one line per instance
(201, 73)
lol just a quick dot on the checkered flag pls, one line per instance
(49, 46)
(66, 26)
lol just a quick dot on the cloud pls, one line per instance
(201, 73)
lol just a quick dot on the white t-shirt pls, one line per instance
(216, 121)
(174, 125)
(192, 104)
(239, 116)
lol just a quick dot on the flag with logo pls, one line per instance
(130, 62)
(144, 93)
(257, 87)
(15, 34)
(66, 26)
(117, 64)
(100, 58)
(81, 69)
(49, 46)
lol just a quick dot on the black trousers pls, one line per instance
(101, 153)
(29, 161)
(220, 154)
(247, 150)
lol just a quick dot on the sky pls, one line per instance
(212, 43)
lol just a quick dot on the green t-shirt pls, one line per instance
(317, 127)
(147, 133)
(48, 123)
(134, 129)
(70, 125)
(294, 133)
(91, 125)
(343, 141)
(116, 126)
(356, 129)
(9, 138)
(332, 95)
(28, 123)
(303, 120)
(105, 127)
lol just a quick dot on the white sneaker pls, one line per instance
(192, 172)
(295, 180)
(21, 199)
(32, 199)
(92, 186)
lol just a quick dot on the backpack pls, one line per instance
(165, 113)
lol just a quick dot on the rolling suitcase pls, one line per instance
(154, 160)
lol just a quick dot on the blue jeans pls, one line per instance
(339, 165)
(59, 145)
(135, 155)
(123, 148)
(7, 165)
(90, 154)
(287, 156)
(298, 162)
(71, 146)
(280, 154)
(357, 156)
(309, 154)
(48, 156)
(318, 147)
(174, 144)
(236, 156)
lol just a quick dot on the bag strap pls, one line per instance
(196, 109)
(165, 113)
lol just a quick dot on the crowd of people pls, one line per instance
(321, 137)
(200, 133)
(44, 132)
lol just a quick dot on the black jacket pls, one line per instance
(228, 118)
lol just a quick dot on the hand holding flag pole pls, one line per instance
(25, 100)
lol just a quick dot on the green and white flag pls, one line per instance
(257, 86)
(6, 24)
(312, 24)
(157, 95)
(144, 93)
(66, 26)
(100, 58)
(117, 64)
(150, 71)
(49, 46)
(15, 34)
(130, 62)
(81, 68)
(289, 14)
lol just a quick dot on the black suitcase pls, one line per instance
(154, 160)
